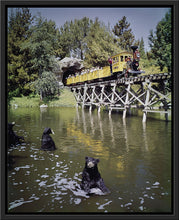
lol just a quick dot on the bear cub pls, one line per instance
(47, 141)
(13, 138)
(91, 177)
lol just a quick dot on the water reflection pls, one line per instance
(104, 128)
(135, 162)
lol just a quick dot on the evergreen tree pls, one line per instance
(18, 75)
(123, 33)
(72, 38)
(42, 45)
(161, 42)
(141, 48)
(100, 45)
(65, 40)
(80, 31)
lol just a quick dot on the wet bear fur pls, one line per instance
(13, 138)
(91, 177)
(47, 141)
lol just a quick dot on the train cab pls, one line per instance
(120, 61)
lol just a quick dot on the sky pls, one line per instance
(141, 20)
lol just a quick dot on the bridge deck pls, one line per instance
(134, 80)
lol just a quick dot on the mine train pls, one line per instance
(124, 64)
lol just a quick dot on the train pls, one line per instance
(124, 64)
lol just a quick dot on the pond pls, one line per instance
(135, 162)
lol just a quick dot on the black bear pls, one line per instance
(13, 138)
(47, 141)
(91, 177)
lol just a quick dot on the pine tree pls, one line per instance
(72, 38)
(80, 31)
(18, 75)
(161, 42)
(141, 48)
(123, 33)
(65, 40)
(100, 45)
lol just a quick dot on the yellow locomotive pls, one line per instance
(124, 64)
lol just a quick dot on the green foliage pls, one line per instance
(100, 45)
(123, 33)
(18, 76)
(33, 44)
(42, 45)
(31, 50)
(87, 40)
(161, 43)
(80, 31)
(72, 38)
(141, 48)
(46, 85)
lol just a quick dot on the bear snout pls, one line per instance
(90, 164)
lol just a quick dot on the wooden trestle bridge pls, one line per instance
(144, 91)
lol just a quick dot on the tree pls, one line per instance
(72, 38)
(42, 45)
(161, 42)
(18, 75)
(124, 36)
(46, 85)
(80, 31)
(65, 41)
(141, 48)
(100, 45)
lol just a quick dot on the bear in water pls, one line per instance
(13, 138)
(91, 177)
(47, 141)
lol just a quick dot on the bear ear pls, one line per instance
(46, 130)
(97, 160)
(86, 158)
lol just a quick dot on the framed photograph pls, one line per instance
(89, 104)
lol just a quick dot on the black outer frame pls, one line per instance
(3, 103)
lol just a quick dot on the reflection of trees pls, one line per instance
(109, 136)
(85, 139)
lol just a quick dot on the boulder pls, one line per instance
(68, 66)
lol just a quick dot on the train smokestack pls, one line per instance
(134, 48)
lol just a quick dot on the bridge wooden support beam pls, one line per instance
(146, 105)
(126, 105)
(121, 95)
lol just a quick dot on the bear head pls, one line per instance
(10, 125)
(91, 162)
(48, 131)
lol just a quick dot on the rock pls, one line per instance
(68, 66)
(43, 106)
(70, 63)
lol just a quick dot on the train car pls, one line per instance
(124, 64)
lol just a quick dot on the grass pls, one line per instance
(25, 102)
(66, 99)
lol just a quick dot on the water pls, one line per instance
(135, 162)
